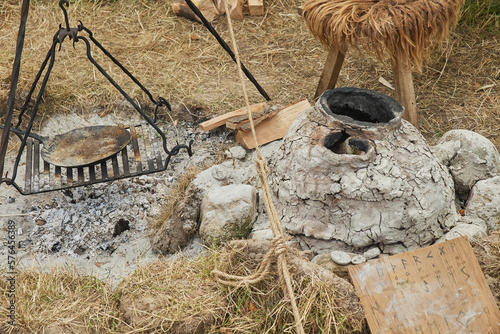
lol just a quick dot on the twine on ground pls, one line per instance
(279, 247)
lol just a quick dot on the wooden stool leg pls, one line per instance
(328, 79)
(405, 92)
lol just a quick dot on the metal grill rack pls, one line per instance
(146, 152)
(142, 155)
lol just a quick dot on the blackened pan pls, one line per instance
(82, 146)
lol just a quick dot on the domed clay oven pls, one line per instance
(351, 174)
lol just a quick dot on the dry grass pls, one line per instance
(487, 251)
(58, 301)
(174, 296)
(175, 194)
(181, 61)
(262, 308)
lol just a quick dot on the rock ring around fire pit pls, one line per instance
(351, 174)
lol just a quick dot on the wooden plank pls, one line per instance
(235, 9)
(221, 120)
(275, 127)
(435, 289)
(29, 166)
(405, 92)
(331, 71)
(242, 122)
(256, 7)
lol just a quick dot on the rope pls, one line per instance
(280, 248)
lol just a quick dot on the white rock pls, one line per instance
(262, 235)
(484, 202)
(472, 231)
(469, 156)
(227, 213)
(372, 253)
(340, 257)
(236, 152)
(358, 259)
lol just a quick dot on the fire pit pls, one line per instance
(351, 174)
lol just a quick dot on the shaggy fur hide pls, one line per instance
(405, 29)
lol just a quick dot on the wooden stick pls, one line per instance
(331, 71)
(221, 120)
(405, 92)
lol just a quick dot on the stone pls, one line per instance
(325, 261)
(236, 152)
(262, 235)
(472, 231)
(227, 213)
(372, 253)
(358, 259)
(340, 257)
(483, 202)
(363, 179)
(469, 156)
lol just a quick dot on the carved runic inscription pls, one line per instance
(433, 290)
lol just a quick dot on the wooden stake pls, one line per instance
(405, 92)
(331, 71)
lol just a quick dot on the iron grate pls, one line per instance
(142, 155)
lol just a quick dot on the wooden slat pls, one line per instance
(29, 166)
(221, 120)
(273, 128)
(36, 166)
(435, 289)
(331, 71)
(135, 146)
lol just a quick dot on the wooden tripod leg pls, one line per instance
(405, 92)
(328, 79)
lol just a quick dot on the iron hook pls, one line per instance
(61, 4)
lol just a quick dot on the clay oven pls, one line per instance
(351, 174)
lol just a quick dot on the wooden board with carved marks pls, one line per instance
(435, 289)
